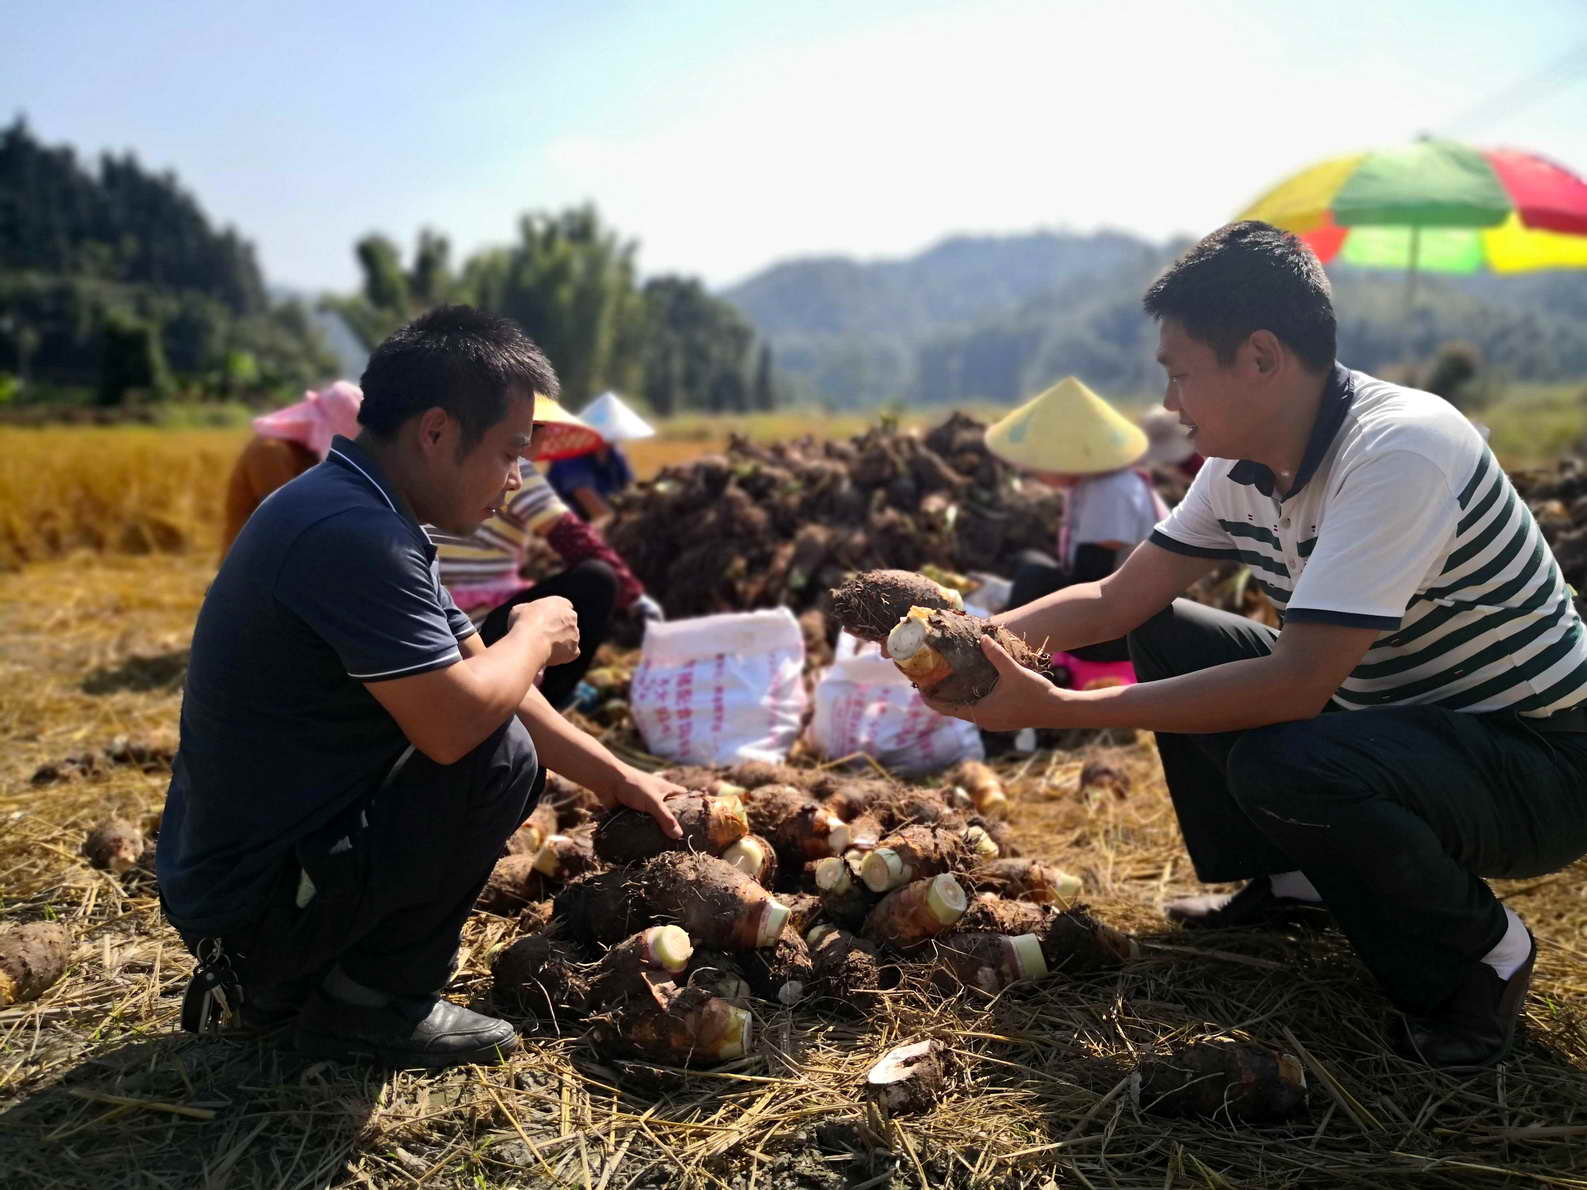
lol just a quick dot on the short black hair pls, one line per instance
(1248, 277)
(463, 360)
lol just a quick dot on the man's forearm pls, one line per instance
(563, 748)
(1068, 619)
(1234, 696)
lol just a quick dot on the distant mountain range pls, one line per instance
(996, 318)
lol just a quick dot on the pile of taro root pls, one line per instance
(816, 891)
(1558, 499)
(762, 526)
(798, 888)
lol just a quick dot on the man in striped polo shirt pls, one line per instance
(1416, 593)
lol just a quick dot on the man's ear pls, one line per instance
(1266, 353)
(435, 428)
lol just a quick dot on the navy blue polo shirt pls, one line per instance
(331, 584)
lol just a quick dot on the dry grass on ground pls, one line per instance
(98, 1089)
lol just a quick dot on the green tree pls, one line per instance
(113, 279)
(133, 361)
(765, 394)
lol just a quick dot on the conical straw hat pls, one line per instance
(559, 434)
(614, 420)
(1068, 430)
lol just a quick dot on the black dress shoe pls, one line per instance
(1255, 906)
(1475, 1027)
(411, 1032)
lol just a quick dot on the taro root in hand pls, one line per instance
(869, 604)
(940, 652)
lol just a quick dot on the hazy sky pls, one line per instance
(726, 136)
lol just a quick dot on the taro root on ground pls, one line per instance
(514, 883)
(908, 1080)
(754, 856)
(1246, 1082)
(535, 916)
(804, 909)
(984, 786)
(782, 972)
(600, 907)
(573, 804)
(868, 605)
(852, 798)
(1073, 941)
(799, 827)
(845, 900)
(846, 969)
(710, 824)
(638, 966)
(542, 975)
(904, 807)
(915, 852)
(536, 829)
(116, 846)
(32, 958)
(940, 652)
(562, 857)
(752, 774)
(717, 904)
(1001, 834)
(691, 1028)
(991, 914)
(917, 912)
(719, 972)
(1102, 777)
(1028, 880)
(985, 962)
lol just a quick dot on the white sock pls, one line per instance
(1507, 957)
(1294, 885)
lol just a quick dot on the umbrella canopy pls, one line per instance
(1435, 205)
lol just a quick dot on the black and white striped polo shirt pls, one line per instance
(1401, 519)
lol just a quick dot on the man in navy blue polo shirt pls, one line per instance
(352, 757)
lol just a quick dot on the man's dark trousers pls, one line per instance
(591, 588)
(395, 876)
(1394, 814)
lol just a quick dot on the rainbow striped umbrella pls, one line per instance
(1436, 205)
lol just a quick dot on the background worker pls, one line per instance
(588, 481)
(1423, 611)
(1074, 440)
(284, 445)
(353, 757)
(484, 572)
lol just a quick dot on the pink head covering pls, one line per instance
(317, 418)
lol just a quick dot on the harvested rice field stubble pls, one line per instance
(98, 1088)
